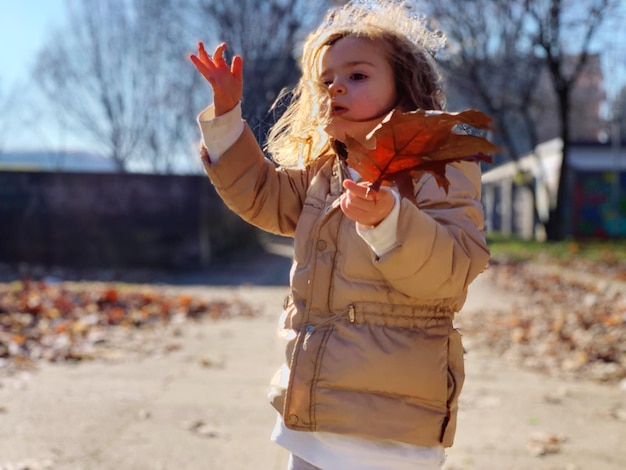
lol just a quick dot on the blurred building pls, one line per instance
(519, 195)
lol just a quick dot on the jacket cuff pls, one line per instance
(221, 132)
(384, 236)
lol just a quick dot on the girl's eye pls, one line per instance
(358, 76)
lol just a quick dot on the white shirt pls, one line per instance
(330, 451)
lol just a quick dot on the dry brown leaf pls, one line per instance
(405, 145)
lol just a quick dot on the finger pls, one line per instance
(236, 67)
(351, 208)
(218, 55)
(356, 203)
(360, 190)
(353, 187)
(354, 211)
(345, 208)
(204, 57)
(202, 68)
(197, 62)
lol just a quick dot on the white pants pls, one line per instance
(296, 463)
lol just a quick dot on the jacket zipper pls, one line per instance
(444, 425)
(446, 419)
(310, 329)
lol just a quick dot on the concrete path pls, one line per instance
(201, 403)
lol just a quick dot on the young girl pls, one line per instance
(374, 366)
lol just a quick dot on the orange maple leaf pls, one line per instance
(405, 145)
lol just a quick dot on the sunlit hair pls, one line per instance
(298, 137)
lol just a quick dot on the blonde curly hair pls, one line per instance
(298, 137)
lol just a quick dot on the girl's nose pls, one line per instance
(337, 88)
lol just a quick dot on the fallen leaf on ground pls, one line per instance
(85, 321)
(555, 323)
(201, 428)
(541, 443)
(211, 363)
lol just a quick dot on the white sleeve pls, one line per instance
(221, 132)
(384, 236)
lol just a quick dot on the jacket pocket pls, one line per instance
(308, 350)
(401, 363)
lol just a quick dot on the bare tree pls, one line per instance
(619, 115)
(490, 65)
(119, 81)
(163, 36)
(564, 30)
(267, 35)
(505, 48)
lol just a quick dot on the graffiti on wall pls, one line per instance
(600, 204)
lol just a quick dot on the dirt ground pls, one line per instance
(194, 397)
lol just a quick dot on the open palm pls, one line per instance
(226, 80)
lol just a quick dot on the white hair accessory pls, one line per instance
(396, 16)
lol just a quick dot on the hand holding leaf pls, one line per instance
(368, 208)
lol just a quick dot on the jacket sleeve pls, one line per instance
(441, 245)
(252, 186)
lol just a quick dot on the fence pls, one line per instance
(115, 220)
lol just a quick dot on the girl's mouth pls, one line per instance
(338, 110)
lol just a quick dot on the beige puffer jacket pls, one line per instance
(373, 351)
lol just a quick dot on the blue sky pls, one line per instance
(24, 25)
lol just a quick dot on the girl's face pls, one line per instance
(361, 84)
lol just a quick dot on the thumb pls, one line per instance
(361, 190)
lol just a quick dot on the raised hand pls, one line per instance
(226, 80)
(365, 206)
